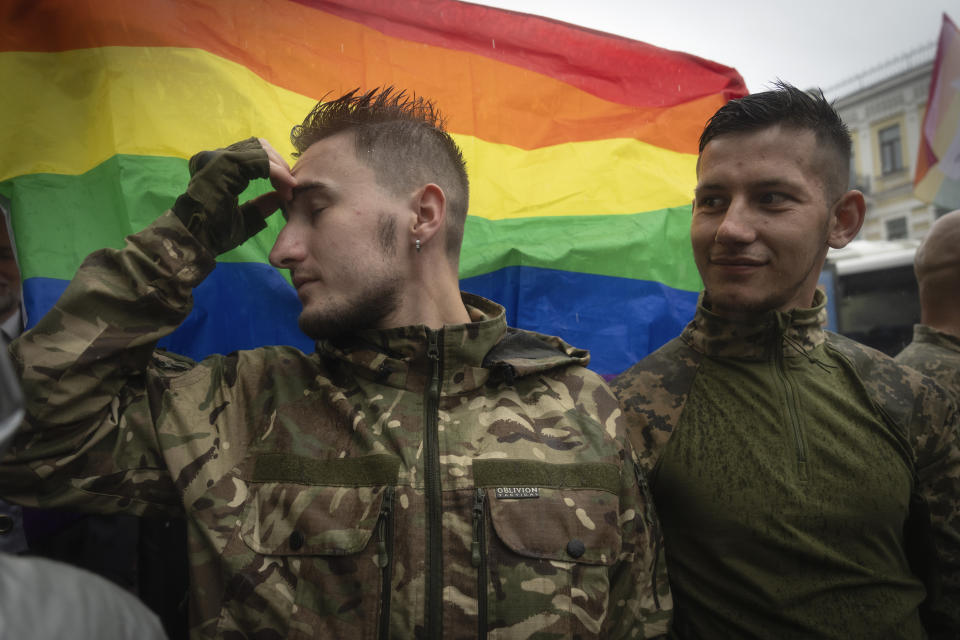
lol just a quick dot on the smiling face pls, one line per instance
(761, 220)
(341, 242)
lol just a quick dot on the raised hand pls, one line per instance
(210, 209)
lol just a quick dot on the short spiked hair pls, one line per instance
(790, 108)
(403, 139)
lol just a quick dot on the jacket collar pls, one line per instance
(470, 353)
(924, 333)
(795, 332)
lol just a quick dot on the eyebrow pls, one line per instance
(311, 186)
(774, 183)
(303, 188)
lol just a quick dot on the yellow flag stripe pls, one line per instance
(75, 109)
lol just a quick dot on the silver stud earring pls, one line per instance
(418, 245)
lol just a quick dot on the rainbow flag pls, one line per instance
(937, 179)
(581, 148)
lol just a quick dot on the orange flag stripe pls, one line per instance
(312, 52)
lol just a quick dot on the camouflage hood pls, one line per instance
(474, 352)
(752, 339)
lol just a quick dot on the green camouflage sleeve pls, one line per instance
(937, 447)
(652, 394)
(91, 380)
(640, 580)
(929, 416)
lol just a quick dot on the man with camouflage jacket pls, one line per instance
(935, 350)
(784, 459)
(427, 472)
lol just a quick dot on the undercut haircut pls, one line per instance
(793, 109)
(403, 140)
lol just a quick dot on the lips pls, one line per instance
(299, 280)
(736, 261)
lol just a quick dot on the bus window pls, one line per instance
(875, 299)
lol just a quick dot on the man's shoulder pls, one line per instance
(940, 362)
(652, 395)
(275, 362)
(671, 367)
(875, 367)
(904, 394)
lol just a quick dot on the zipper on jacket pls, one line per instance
(384, 551)
(478, 557)
(433, 616)
(793, 411)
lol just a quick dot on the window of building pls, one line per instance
(896, 228)
(891, 158)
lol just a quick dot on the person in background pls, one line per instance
(935, 349)
(12, 536)
(426, 472)
(789, 465)
(131, 553)
(45, 600)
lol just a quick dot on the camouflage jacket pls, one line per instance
(782, 461)
(936, 354)
(471, 481)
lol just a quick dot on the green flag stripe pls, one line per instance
(59, 219)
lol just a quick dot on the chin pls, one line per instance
(734, 302)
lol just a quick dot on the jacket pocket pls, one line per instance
(552, 536)
(318, 535)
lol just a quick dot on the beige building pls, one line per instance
(884, 109)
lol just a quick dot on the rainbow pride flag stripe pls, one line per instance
(581, 148)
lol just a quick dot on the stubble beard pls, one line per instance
(734, 305)
(366, 310)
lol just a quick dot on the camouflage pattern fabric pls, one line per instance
(935, 354)
(782, 460)
(468, 482)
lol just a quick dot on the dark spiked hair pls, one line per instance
(403, 139)
(789, 108)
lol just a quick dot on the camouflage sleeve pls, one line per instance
(91, 381)
(640, 579)
(937, 446)
(652, 394)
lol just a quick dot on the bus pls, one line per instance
(872, 293)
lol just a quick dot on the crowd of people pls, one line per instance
(430, 472)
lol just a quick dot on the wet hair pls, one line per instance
(402, 139)
(790, 108)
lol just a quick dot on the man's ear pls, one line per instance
(429, 205)
(848, 214)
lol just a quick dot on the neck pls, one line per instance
(743, 315)
(431, 298)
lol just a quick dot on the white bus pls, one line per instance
(872, 293)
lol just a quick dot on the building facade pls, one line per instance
(884, 108)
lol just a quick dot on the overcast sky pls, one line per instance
(805, 42)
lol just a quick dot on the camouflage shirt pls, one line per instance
(471, 481)
(936, 354)
(782, 461)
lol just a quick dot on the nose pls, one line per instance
(288, 250)
(737, 225)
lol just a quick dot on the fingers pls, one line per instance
(281, 178)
